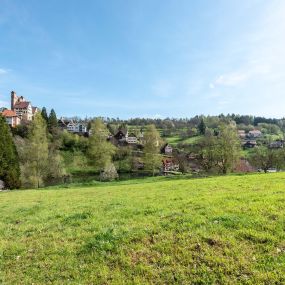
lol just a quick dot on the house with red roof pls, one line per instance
(23, 108)
(11, 118)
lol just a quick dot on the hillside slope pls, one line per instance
(226, 230)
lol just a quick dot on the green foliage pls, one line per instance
(220, 152)
(34, 155)
(110, 173)
(225, 230)
(100, 151)
(9, 163)
(266, 158)
(152, 143)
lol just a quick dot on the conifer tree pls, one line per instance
(52, 121)
(202, 127)
(9, 163)
(44, 114)
(152, 157)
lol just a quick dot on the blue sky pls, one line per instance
(145, 58)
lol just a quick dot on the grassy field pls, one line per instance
(224, 230)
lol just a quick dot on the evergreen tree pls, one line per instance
(44, 114)
(52, 121)
(202, 127)
(35, 154)
(152, 158)
(9, 163)
(100, 151)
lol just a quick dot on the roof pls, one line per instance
(255, 131)
(9, 113)
(22, 105)
(35, 109)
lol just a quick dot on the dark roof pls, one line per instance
(120, 134)
(22, 105)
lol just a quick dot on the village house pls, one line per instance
(167, 149)
(11, 118)
(254, 134)
(75, 127)
(277, 144)
(123, 137)
(169, 164)
(249, 144)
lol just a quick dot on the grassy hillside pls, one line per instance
(226, 230)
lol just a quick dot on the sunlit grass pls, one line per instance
(224, 230)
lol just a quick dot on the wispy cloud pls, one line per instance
(3, 71)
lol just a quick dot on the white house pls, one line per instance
(131, 138)
(75, 127)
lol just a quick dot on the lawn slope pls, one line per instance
(226, 230)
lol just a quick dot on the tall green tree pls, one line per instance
(228, 149)
(202, 127)
(100, 151)
(152, 143)
(44, 114)
(52, 121)
(221, 152)
(9, 162)
(35, 154)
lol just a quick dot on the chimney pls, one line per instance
(13, 99)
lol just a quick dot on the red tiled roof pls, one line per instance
(9, 113)
(22, 105)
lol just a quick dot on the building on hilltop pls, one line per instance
(23, 109)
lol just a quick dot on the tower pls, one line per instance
(14, 99)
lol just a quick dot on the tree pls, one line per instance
(34, 156)
(266, 158)
(152, 142)
(52, 121)
(202, 127)
(100, 151)
(9, 163)
(110, 173)
(220, 152)
(44, 114)
(228, 148)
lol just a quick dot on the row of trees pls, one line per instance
(36, 158)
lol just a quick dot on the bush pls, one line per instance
(110, 173)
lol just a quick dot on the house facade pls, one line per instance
(23, 108)
(11, 118)
(74, 127)
(254, 134)
(167, 149)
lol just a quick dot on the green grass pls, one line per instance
(174, 140)
(223, 230)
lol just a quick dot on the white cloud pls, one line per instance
(3, 71)
(264, 58)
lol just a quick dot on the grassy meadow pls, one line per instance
(222, 230)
